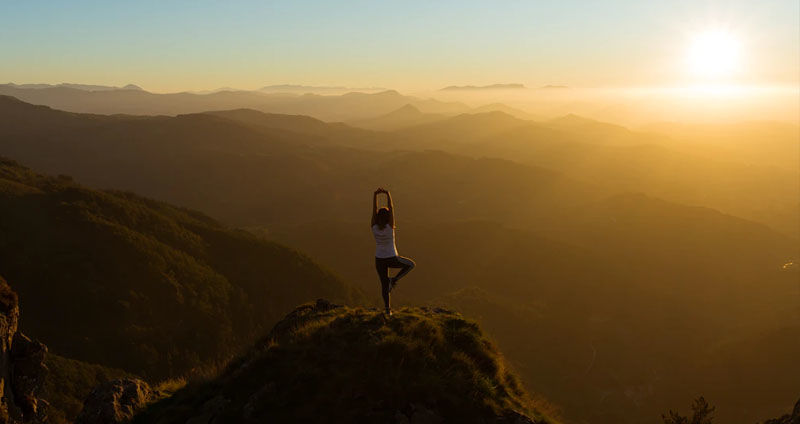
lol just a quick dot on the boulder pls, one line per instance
(115, 402)
(28, 374)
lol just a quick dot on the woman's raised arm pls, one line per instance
(374, 207)
(390, 205)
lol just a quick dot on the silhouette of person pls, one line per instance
(385, 249)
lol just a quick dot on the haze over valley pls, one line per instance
(610, 224)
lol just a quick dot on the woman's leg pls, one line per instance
(382, 268)
(405, 265)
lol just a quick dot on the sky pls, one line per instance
(171, 45)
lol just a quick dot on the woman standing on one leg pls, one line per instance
(385, 250)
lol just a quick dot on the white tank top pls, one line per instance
(384, 241)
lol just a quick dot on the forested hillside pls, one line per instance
(138, 284)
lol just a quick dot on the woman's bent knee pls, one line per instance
(407, 262)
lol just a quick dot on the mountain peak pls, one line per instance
(407, 110)
(517, 113)
(572, 118)
(487, 116)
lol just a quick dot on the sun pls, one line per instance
(713, 54)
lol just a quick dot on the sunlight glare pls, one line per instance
(713, 54)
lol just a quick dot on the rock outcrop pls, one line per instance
(115, 402)
(22, 367)
(793, 418)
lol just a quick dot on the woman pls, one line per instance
(385, 250)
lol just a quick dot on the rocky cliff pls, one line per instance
(22, 366)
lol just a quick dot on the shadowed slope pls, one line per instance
(123, 281)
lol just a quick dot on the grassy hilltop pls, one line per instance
(329, 363)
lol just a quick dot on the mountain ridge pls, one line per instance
(335, 107)
(181, 152)
(84, 87)
(484, 87)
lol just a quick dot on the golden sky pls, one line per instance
(413, 45)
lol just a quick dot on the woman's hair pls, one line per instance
(383, 217)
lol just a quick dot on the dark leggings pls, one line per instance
(382, 265)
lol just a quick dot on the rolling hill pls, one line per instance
(621, 160)
(239, 172)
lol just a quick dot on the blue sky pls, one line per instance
(187, 45)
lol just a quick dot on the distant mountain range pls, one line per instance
(383, 110)
(737, 176)
(85, 87)
(302, 89)
(498, 87)
(633, 160)
(484, 87)
(345, 107)
(266, 148)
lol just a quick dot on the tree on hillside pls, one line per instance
(702, 413)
